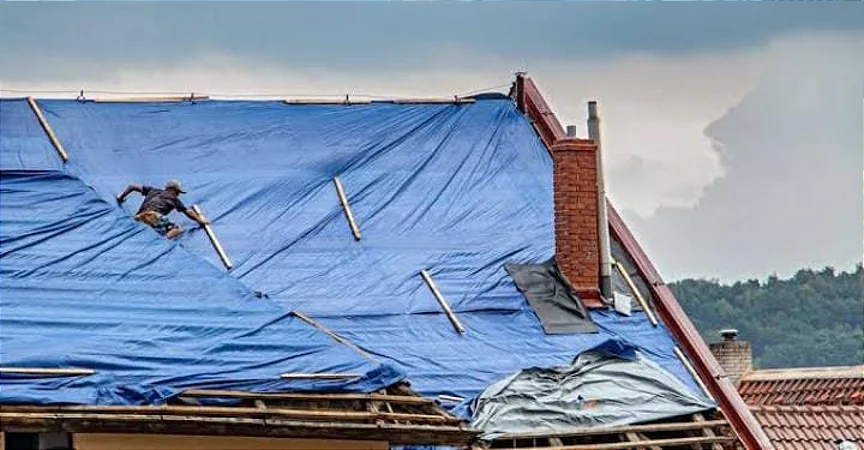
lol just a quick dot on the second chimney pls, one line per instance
(734, 356)
(577, 240)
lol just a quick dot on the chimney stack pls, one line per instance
(734, 356)
(577, 240)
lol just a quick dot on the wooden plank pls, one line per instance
(333, 335)
(144, 99)
(441, 301)
(450, 398)
(47, 128)
(318, 376)
(689, 366)
(707, 431)
(229, 412)
(345, 101)
(213, 239)
(593, 431)
(400, 399)
(650, 443)
(128, 441)
(340, 191)
(431, 100)
(64, 372)
(645, 307)
(637, 437)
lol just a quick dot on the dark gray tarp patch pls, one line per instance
(558, 308)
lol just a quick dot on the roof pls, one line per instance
(811, 427)
(456, 189)
(807, 408)
(804, 386)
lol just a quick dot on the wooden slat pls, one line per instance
(319, 376)
(707, 431)
(340, 191)
(308, 414)
(326, 102)
(400, 399)
(441, 301)
(650, 443)
(689, 366)
(47, 128)
(144, 99)
(65, 372)
(442, 100)
(213, 239)
(333, 335)
(593, 431)
(639, 298)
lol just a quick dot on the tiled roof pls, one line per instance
(818, 386)
(811, 427)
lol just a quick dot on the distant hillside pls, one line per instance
(814, 318)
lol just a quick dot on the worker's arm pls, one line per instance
(190, 213)
(129, 189)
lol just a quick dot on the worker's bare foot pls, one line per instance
(174, 232)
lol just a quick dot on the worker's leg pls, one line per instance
(174, 232)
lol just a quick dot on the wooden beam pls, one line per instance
(689, 366)
(707, 431)
(299, 396)
(319, 376)
(650, 443)
(441, 301)
(593, 431)
(47, 128)
(340, 191)
(166, 99)
(164, 410)
(345, 101)
(333, 335)
(64, 372)
(645, 307)
(236, 426)
(420, 101)
(213, 239)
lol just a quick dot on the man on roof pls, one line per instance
(158, 203)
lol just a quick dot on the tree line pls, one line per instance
(814, 318)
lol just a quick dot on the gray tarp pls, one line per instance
(559, 309)
(598, 389)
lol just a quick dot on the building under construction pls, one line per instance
(375, 273)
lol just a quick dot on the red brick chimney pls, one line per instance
(577, 240)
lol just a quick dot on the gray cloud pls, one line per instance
(792, 192)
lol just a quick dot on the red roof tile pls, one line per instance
(793, 427)
(812, 386)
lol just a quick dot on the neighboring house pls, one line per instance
(810, 408)
(387, 279)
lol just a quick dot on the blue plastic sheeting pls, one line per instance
(455, 189)
(83, 285)
(23, 144)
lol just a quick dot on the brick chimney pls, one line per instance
(734, 356)
(577, 241)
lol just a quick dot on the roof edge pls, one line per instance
(531, 102)
(804, 373)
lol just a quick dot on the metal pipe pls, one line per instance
(602, 218)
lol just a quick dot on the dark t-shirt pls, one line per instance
(160, 200)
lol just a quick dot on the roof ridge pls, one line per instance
(803, 373)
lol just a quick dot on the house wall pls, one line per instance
(104, 441)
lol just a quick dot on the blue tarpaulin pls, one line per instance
(458, 190)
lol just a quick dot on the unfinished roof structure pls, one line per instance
(364, 253)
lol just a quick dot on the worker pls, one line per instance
(158, 203)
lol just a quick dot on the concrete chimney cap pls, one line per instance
(729, 334)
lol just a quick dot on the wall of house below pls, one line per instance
(105, 441)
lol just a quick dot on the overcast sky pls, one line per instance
(733, 133)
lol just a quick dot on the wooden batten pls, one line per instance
(441, 301)
(323, 101)
(214, 240)
(47, 128)
(299, 396)
(431, 100)
(318, 376)
(166, 99)
(346, 207)
(689, 366)
(333, 335)
(49, 372)
(636, 293)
